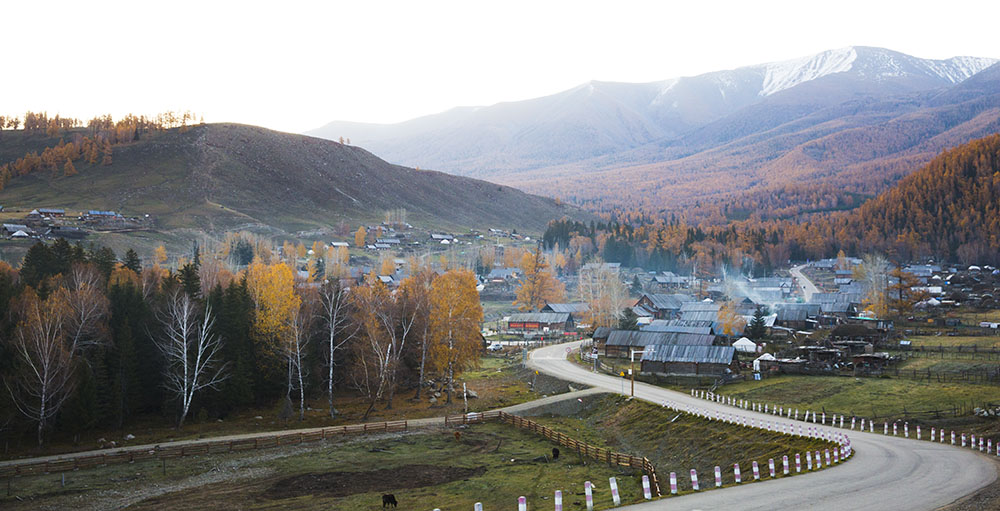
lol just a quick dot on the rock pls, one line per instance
(471, 394)
(218, 420)
(259, 418)
(130, 436)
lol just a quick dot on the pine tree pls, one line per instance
(758, 327)
(132, 261)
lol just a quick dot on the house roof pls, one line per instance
(691, 354)
(540, 317)
(601, 332)
(639, 338)
(572, 308)
(679, 326)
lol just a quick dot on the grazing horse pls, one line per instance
(388, 499)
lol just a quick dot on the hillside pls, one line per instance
(856, 115)
(224, 176)
(949, 209)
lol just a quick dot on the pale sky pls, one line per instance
(295, 66)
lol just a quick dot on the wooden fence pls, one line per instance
(127, 455)
(598, 453)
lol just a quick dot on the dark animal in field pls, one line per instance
(458, 436)
(555, 453)
(389, 499)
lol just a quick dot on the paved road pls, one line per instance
(806, 285)
(885, 473)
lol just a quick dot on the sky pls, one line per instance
(294, 66)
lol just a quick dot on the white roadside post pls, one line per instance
(736, 473)
(589, 495)
(885, 428)
(963, 439)
(852, 423)
(614, 491)
(756, 471)
(673, 483)
(694, 479)
(809, 461)
(646, 492)
(827, 452)
(798, 463)
(558, 500)
(478, 506)
(906, 429)
(784, 465)
(522, 504)
(770, 466)
(918, 431)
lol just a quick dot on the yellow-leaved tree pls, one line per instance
(455, 319)
(272, 288)
(732, 323)
(359, 237)
(538, 285)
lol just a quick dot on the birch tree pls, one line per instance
(605, 294)
(295, 346)
(190, 350)
(42, 380)
(88, 307)
(338, 329)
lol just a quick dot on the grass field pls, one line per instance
(958, 340)
(861, 396)
(491, 463)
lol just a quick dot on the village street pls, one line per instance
(806, 285)
(885, 472)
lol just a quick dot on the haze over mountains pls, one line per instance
(859, 114)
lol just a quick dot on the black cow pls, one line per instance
(555, 453)
(388, 499)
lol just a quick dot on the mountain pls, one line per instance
(222, 176)
(605, 119)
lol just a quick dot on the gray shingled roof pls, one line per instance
(639, 339)
(669, 301)
(540, 317)
(572, 308)
(679, 325)
(688, 353)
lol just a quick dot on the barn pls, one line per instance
(675, 360)
(541, 322)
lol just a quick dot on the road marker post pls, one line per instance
(885, 429)
(522, 504)
(841, 421)
(784, 465)
(718, 476)
(478, 506)
(589, 492)
(819, 462)
(852, 423)
(809, 461)
(736, 472)
(827, 452)
(770, 466)
(558, 500)
(963, 439)
(614, 491)
(756, 472)
(646, 492)
(673, 483)
(906, 429)
(836, 454)
(918, 431)
(694, 479)
(798, 463)
(823, 422)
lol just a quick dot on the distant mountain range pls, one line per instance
(217, 177)
(859, 114)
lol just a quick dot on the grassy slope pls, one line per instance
(221, 176)
(679, 442)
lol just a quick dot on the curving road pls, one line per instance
(885, 472)
(808, 288)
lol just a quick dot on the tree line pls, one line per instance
(89, 340)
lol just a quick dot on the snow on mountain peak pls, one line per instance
(779, 76)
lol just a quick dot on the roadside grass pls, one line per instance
(678, 442)
(991, 341)
(948, 364)
(499, 381)
(861, 396)
(494, 464)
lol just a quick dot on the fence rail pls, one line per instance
(127, 455)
